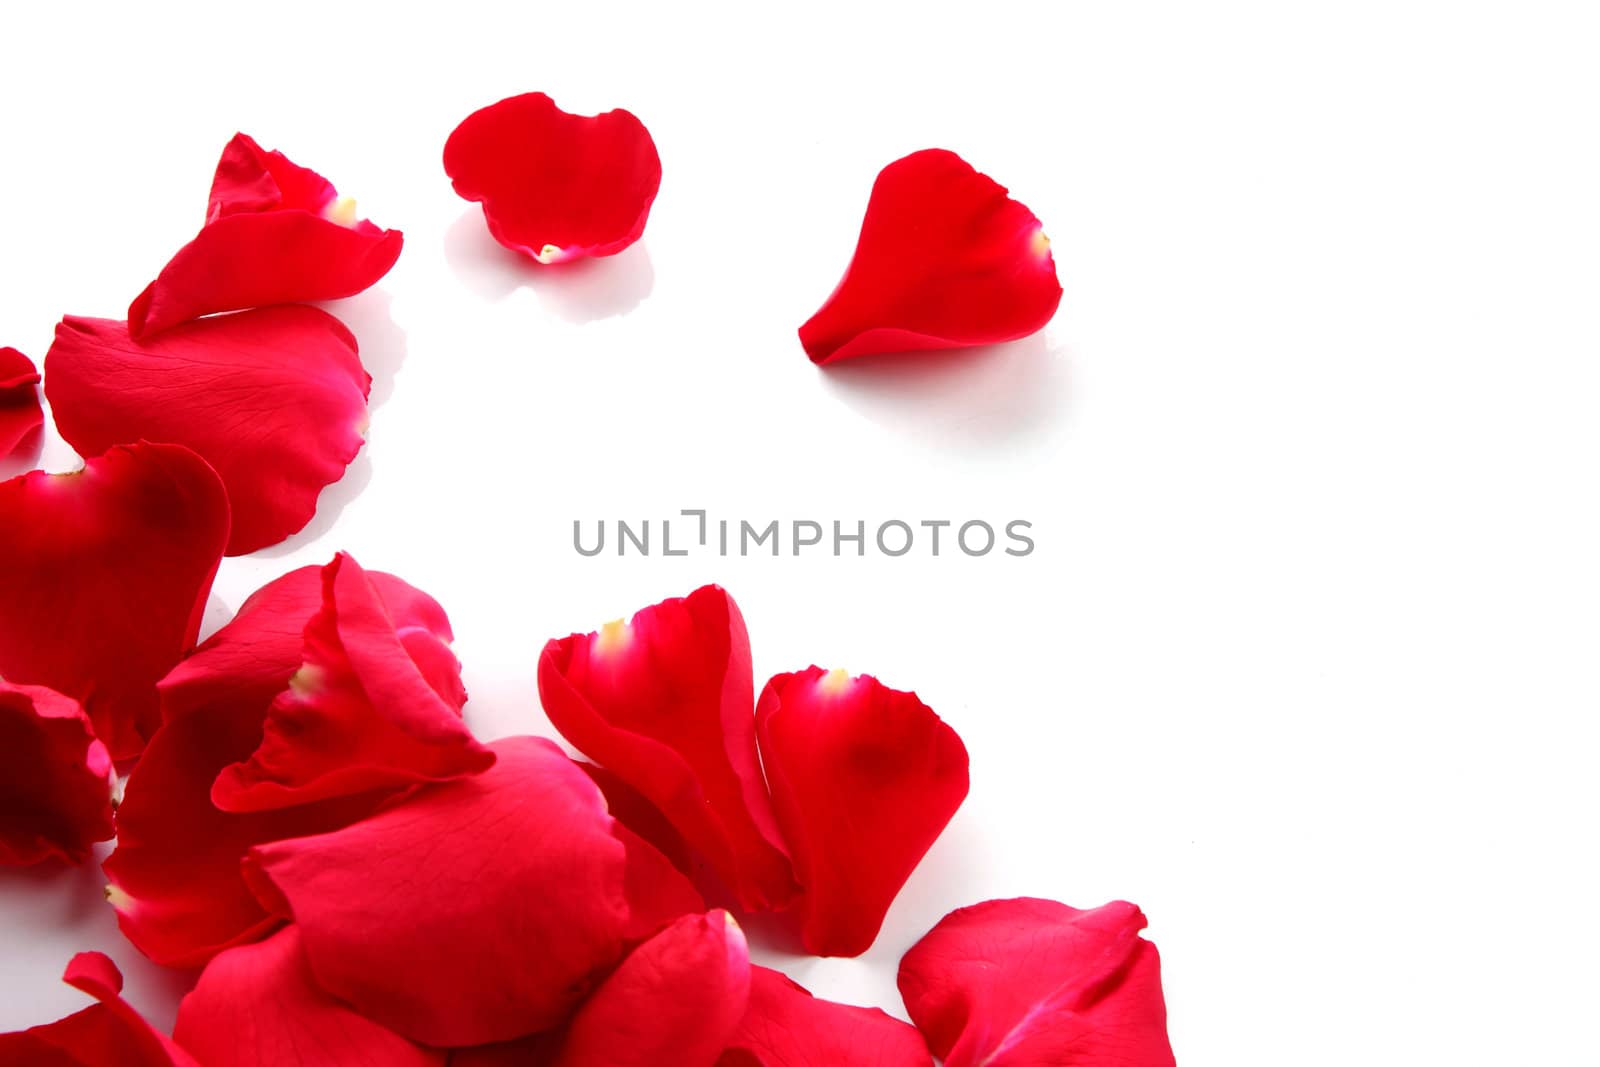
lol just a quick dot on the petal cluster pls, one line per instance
(20, 413)
(945, 260)
(275, 233)
(555, 186)
(819, 801)
(176, 878)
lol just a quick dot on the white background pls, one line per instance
(1304, 663)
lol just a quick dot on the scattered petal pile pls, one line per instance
(308, 819)
(20, 413)
(945, 260)
(554, 186)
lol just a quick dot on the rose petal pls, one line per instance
(1034, 983)
(945, 259)
(676, 999)
(380, 904)
(357, 715)
(275, 233)
(20, 413)
(785, 1026)
(258, 1006)
(664, 702)
(251, 659)
(76, 616)
(55, 778)
(864, 778)
(555, 186)
(107, 1034)
(176, 881)
(274, 399)
(536, 1050)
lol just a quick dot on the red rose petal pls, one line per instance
(274, 399)
(1034, 983)
(536, 1050)
(252, 658)
(630, 808)
(555, 186)
(664, 702)
(55, 778)
(945, 259)
(864, 778)
(785, 1026)
(20, 413)
(176, 881)
(675, 1000)
(76, 616)
(107, 1034)
(357, 715)
(258, 1006)
(275, 233)
(527, 845)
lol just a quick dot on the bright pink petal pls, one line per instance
(475, 911)
(676, 999)
(555, 186)
(20, 413)
(785, 1026)
(55, 778)
(945, 259)
(664, 702)
(107, 1034)
(258, 1006)
(1034, 983)
(275, 233)
(864, 779)
(175, 875)
(75, 615)
(357, 715)
(274, 399)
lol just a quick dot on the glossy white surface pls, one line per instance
(1304, 660)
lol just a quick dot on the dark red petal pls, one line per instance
(537, 1050)
(664, 702)
(175, 875)
(675, 1000)
(258, 1006)
(75, 615)
(275, 233)
(785, 1026)
(863, 778)
(107, 1034)
(555, 186)
(356, 716)
(20, 413)
(274, 399)
(55, 778)
(945, 259)
(632, 809)
(1034, 983)
(380, 904)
